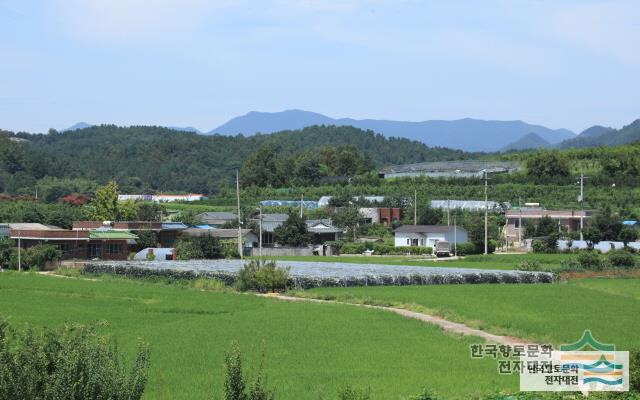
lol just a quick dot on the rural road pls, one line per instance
(446, 325)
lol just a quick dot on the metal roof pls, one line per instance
(427, 229)
(112, 235)
(217, 215)
(463, 204)
(290, 203)
(219, 233)
(453, 166)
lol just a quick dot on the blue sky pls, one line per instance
(199, 63)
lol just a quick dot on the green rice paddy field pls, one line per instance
(550, 313)
(311, 349)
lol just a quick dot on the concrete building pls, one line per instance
(428, 235)
(566, 220)
(380, 215)
(162, 198)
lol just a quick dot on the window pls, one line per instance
(516, 223)
(408, 242)
(95, 250)
(114, 248)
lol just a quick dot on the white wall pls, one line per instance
(401, 239)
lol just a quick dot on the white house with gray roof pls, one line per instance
(428, 235)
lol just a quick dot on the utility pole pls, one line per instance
(260, 231)
(239, 222)
(486, 214)
(19, 249)
(520, 221)
(415, 207)
(581, 204)
(301, 202)
(455, 237)
(448, 213)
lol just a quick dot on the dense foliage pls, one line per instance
(68, 363)
(148, 158)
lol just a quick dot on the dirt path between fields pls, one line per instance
(446, 325)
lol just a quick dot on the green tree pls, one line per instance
(293, 232)
(628, 235)
(592, 236)
(547, 165)
(262, 168)
(128, 210)
(105, 203)
(429, 216)
(150, 211)
(546, 226)
(347, 217)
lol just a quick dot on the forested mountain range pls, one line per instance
(466, 134)
(144, 158)
(601, 136)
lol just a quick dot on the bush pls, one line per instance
(529, 265)
(350, 393)
(36, 257)
(68, 363)
(262, 276)
(234, 381)
(634, 371)
(353, 248)
(589, 260)
(204, 247)
(621, 258)
(468, 248)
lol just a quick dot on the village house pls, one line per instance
(321, 229)
(428, 235)
(104, 245)
(566, 220)
(167, 232)
(380, 215)
(217, 219)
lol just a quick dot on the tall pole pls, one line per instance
(486, 214)
(415, 207)
(260, 230)
(581, 204)
(239, 223)
(455, 237)
(19, 248)
(301, 202)
(448, 214)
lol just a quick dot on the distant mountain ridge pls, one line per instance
(527, 142)
(605, 136)
(464, 134)
(76, 126)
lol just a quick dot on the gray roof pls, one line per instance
(452, 166)
(327, 226)
(274, 217)
(217, 216)
(427, 229)
(219, 233)
(275, 220)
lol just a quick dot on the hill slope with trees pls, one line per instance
(146, 158)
